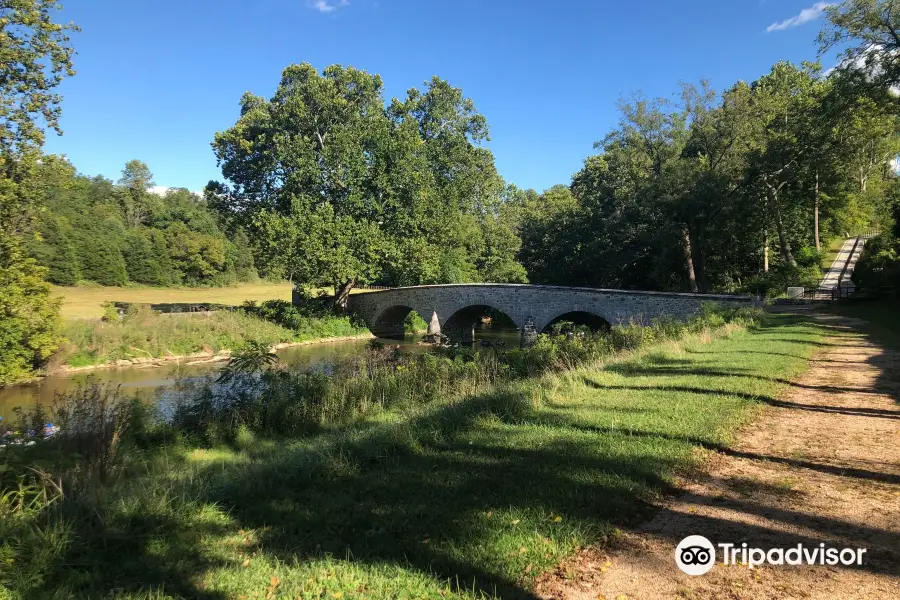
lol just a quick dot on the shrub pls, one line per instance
(808, 256)
(780, 277)
(312, 318)
(29, 319)
(94, 422)
(110, 313)
(879, 264)
(283, 403)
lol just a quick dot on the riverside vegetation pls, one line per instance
(452, 473)
(142, 333)
(328, 183)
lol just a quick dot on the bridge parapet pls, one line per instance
(537, 305)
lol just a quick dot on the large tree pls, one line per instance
(340, 188)
(34, 57)
(868, 32)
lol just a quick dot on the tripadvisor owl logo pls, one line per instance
(695, 555)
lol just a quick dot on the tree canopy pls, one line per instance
(35, 55)
(340, 187)
(693, 195)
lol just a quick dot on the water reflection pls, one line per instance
(148, 382)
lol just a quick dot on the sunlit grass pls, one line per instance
(87, 302)
(472, 496)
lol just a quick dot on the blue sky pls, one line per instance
(156, 80)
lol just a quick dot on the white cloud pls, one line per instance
(806, 15)
(327, 6)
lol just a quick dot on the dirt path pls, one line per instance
(824, 466)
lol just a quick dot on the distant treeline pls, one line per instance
(716, 192)
(94, 230)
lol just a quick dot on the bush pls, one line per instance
(879, 264)
(780, 277)
(808, 256)
(283, 403)
(94, 422)
(29, 319)
(312, 318)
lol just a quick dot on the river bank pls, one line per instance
(581, 449)
(196, 358)
(142, 336)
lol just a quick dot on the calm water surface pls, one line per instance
(147, 382)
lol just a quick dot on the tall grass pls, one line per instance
(489, 466)
(279, 402)
(142, 333)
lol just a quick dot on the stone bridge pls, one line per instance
(454, 309)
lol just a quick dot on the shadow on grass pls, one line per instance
(446, 495)
(487, 493)
(137, 554)
(669, 371)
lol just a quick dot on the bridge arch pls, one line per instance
(390, 323)
(460, 324)
(579, 318)
(531, 307)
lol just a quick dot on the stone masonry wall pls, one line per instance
(535, 304)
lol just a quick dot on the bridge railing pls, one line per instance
(847, 262)
(374, 288)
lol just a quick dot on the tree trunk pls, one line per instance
(689, 260)
(783, 245)
(699, 260)
(766, 251)
(342, 294)
(816, 212)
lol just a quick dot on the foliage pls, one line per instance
(576, 465)
(29, 319)
(34, 58)
(253, 358)
(115, 234)
(286, 404)
(143, 333)
(866, 33)
(95, 421)
(728, 191)
(414, 323)
(775, 282)
(310, 318)
(879, 264)
(341, 188)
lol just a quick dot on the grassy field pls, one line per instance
(466, 498)
(87, 302)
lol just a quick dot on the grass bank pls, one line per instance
(143, 334)
(464, 495)
(830, 251)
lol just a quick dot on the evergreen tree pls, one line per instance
(141, 260)
(64, 267)
(102, 261)
(240, 257)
